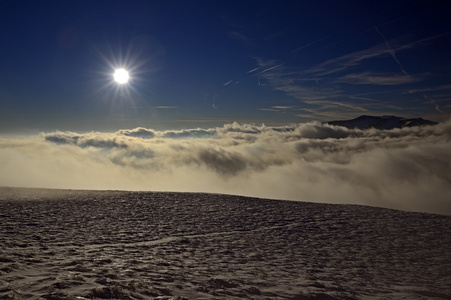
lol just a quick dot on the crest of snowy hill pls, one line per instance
(382, 123)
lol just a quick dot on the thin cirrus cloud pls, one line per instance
(282, 107)
(279, 108)
(165, 107)
(356, 58)
(378, 79)
(326, 68)
(430, 89)
(336, 104)
(331, 109)
(402, 168)
(333, 79)
(347, 61)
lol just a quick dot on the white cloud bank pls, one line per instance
(403, 168)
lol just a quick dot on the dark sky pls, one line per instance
(206, 63)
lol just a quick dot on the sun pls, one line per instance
(121, 76)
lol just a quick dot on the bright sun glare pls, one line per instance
(121, 76)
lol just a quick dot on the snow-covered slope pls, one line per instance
(57, 244)
(383, 122)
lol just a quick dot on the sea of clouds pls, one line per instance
(407, 168)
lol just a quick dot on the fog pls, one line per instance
(406, 169)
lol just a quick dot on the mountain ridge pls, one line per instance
(380, 122)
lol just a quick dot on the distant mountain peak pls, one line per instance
(380, 122)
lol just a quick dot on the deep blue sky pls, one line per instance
(206, 63)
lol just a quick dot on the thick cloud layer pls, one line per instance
(405, 168)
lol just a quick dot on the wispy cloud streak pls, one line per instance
(378, 79)
(391, 50)
(333, 79)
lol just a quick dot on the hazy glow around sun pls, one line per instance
(121, 76)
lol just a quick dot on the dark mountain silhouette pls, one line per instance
(382, 122)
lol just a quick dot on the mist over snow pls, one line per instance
(406, 168)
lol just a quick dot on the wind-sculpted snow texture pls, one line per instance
(407, 168)
(142, 245)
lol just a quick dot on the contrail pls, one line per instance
(433, 102)
(308, 45)
(392, 51)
